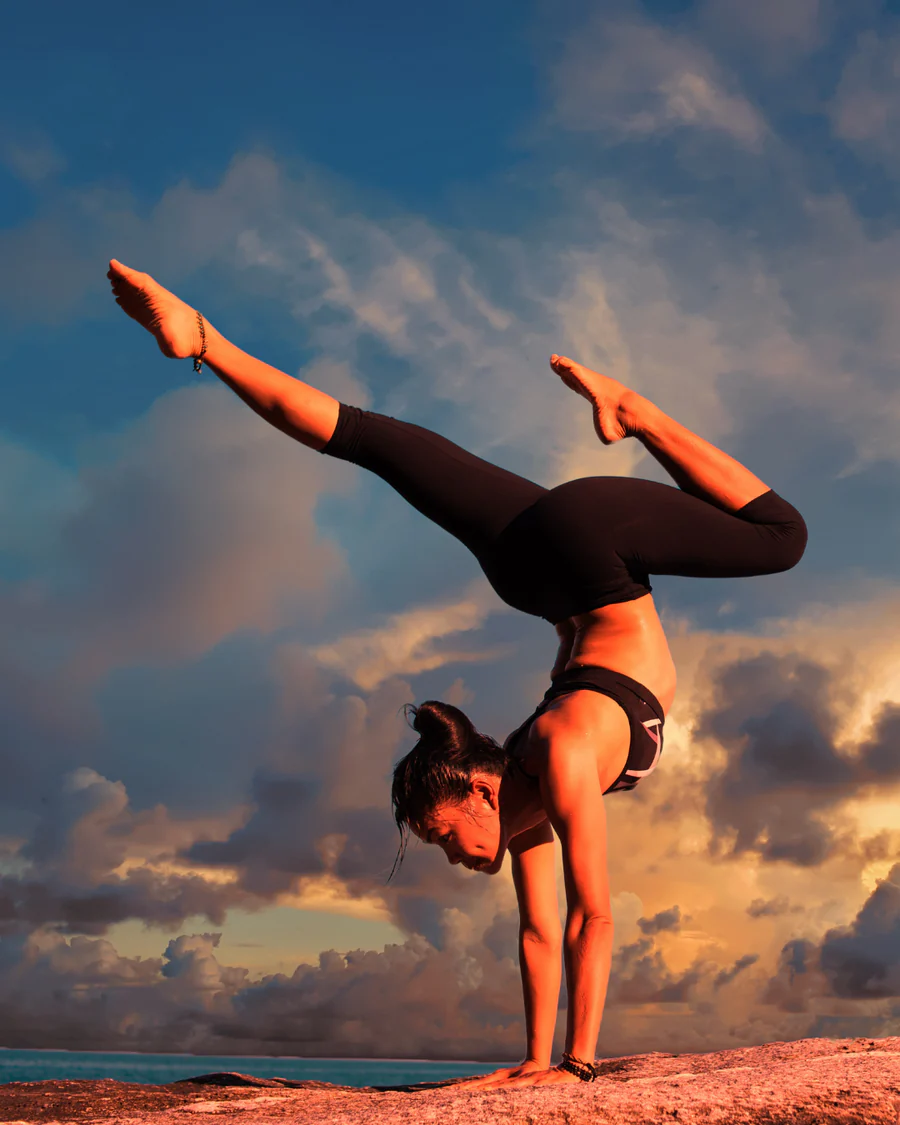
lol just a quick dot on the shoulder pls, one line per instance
(582, 737)
(581, 719)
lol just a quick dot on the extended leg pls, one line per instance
(300, 411)
(467, 496)
(695, 465)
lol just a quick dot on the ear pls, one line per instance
(486, 788)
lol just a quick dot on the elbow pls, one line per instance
(587, 925)
(546, 938)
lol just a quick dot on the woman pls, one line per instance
(579, 555)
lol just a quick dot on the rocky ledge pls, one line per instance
(811, 1082)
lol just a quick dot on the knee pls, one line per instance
(790, 544)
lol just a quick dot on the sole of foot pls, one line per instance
(167, 317)
(613, 402)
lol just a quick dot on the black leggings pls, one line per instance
(559, 552)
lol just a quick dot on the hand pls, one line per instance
(526, 1074)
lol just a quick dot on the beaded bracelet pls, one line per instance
(198, 360)
(586, 1071)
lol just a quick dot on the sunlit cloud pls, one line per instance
(409, 642)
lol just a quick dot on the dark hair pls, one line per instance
(440, 765)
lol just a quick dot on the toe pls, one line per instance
(124, 273)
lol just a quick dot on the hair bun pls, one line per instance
(433, 719)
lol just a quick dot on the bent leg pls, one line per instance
(598, 540)
(724, 521)
(695, 465)
(679, 533)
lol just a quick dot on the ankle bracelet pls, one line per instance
(586, 1071)
(198, 360)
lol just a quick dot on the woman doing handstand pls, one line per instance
(579, 555)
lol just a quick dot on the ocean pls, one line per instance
(34, 1066)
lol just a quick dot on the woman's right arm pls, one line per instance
(540, 937)
(540, 951)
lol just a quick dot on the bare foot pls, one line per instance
(171, 321)
(614, 404)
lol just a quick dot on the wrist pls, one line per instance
(583, 1069)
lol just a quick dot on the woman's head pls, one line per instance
(446, 790)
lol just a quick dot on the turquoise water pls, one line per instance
(33, 1066)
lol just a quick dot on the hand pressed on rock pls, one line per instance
(527, 1074)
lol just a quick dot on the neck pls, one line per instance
(521, 807)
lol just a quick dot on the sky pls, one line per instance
(208, 633)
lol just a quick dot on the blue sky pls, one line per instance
(207, 633)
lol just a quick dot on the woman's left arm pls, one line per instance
(573, 800)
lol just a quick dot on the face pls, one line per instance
(471, 833)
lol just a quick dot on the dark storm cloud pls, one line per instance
(68, 868)
(856, 962)
(772, 907)
(156, 900)
(776, 718)
(640, 975)
(665, 920)
(863, 960)
(797, 980)
(726, 976)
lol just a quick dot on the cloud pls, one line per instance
(866, 105)
(728, 975)
(193, 523)
(409, 643)
(784, 28)
(324, 816)
(640, 975)
(664, 920)
(92, 861)
(635, 79)
(773, 907)
(31, 156)
(407, 1001)
(857, 962)
(37, 496)
(784, 773)
(862, 960)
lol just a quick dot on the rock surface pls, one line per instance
(811, 1082)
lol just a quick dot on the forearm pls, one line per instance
(540, 963)
(588, 955)
(294, 407)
